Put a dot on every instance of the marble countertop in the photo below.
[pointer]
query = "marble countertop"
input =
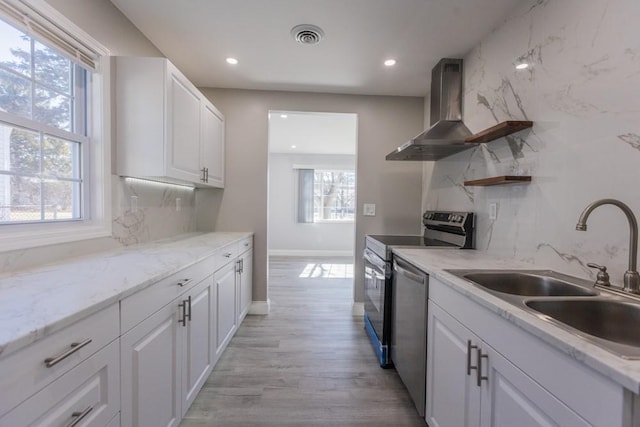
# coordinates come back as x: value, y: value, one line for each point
x: 37, y: 302
x: 436, y: 261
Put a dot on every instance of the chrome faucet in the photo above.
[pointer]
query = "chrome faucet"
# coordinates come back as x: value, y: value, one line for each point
x: 631, y: 276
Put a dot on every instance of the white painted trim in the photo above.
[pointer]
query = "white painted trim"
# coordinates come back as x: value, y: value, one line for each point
x: 308, y: 253
x: 260, y: 307
x: 357, y: 309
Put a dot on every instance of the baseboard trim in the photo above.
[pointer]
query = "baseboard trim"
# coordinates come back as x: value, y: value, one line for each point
x: 308, y: 253
x: 260, y: 307
x: 357, y: 309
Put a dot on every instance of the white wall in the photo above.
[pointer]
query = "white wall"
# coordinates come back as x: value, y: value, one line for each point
x: 582, y: 93
x: 288, y: 237
x: 384, y: 122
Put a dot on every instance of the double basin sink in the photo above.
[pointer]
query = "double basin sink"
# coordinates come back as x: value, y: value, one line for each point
x: 602, y: 318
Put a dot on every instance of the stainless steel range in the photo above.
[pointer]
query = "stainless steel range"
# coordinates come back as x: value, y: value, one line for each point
x: 443, y: 229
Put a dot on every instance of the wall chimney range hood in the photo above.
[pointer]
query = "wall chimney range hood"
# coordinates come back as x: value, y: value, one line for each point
x: 447, y: 133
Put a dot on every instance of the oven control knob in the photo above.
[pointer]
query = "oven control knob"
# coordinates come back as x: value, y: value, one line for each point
x: 450, y: 218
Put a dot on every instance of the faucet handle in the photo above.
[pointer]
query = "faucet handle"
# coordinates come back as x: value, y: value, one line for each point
x: 602, y: 278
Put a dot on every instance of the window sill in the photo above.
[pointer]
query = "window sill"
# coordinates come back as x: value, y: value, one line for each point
x: 333, y: 221
x: 16, y: 237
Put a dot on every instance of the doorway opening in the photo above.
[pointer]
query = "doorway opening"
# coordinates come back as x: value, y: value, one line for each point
x: 311, y: 196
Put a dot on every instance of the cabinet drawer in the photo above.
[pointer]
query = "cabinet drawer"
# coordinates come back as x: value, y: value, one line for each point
x: 25, y: 371
x: 88, y: 394
x: 226, y: 254
x: 139, y: 306
x: 245, y: 244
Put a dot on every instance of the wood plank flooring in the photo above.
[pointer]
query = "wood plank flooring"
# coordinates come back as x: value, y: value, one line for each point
x: 308, y: 363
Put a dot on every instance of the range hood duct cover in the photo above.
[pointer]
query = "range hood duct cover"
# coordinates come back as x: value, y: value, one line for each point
x: 447, y: 133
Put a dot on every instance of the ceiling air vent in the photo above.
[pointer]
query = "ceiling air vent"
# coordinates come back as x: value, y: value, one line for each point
x: 307, y: 34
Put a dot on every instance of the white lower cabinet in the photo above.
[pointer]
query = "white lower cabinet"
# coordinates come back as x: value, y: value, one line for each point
x: 484, y: 371
x: 470, y: 384
x: 226, y: 308
x: 87, y: 395
x: 245, y: 286
x: 166, y: 359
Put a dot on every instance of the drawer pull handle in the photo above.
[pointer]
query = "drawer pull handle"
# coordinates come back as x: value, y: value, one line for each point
x: 79, y: 416
x: 183, y: 306
x: 469, y: 348
x: 184, y: 282
x: 227, y: 255
x: 246, y: 245
x: 479, y: 376
x: 52, y: 361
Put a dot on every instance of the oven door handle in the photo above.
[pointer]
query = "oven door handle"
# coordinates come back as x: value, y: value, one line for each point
x: 374, y: 260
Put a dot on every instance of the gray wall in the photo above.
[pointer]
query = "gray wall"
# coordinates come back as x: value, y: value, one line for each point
x: 383, y: 124
x: 285, y: 234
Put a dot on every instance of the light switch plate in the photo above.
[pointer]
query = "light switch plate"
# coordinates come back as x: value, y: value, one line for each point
x: 493, y: 210
x: 369, y: 209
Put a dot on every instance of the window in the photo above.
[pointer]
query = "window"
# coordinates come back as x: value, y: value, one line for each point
x: 41, y: 177
x: 54, y: 145
x: 326, y: 195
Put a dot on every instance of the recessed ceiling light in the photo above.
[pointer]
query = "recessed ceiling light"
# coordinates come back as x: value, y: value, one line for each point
x: 390, y: 62
x: 232, y: 61
x: 293, y: 146
x: 283, y: 116
x: 522, y: 66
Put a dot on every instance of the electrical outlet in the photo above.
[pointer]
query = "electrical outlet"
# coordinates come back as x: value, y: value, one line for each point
x: 178, y: 204
x: 493, y: 210
x: 134, y: 204
x: 369, y: 209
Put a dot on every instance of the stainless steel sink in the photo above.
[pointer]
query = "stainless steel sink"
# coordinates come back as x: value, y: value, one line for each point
x: 610, y: 320
x: 527, y: 284
x: 605, y: 318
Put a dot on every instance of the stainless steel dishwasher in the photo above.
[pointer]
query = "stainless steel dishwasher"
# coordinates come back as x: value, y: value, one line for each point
x: 409, y: 338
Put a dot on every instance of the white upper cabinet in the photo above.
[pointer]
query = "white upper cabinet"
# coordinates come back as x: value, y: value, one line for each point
x: 166, y: 129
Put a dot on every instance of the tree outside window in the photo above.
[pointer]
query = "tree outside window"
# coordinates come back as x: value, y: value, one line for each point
x: 334, y: 195
x: 41, y: 97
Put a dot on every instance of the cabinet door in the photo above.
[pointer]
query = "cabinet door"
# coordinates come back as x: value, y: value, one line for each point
x: 87, y: 395
x: 150, y: 377
x: 225, y: 283
x: 453, y: 397
x: 246, y: 283
x: 212, y: 145
x: 511, y: 398
x: 183, y: 128
x: 196, y: 343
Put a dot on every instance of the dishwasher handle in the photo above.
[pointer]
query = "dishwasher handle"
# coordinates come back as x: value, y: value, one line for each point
x: 406, y: 271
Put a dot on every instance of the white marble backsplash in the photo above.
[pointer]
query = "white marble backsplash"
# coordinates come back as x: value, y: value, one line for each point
x: 582, y: 93
x: 155, y: 218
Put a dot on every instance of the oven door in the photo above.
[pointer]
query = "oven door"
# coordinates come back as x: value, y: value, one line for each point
x: 377, y: 303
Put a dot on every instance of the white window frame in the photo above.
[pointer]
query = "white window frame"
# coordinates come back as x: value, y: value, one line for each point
x: 96, y: 220
x: 335, y: 221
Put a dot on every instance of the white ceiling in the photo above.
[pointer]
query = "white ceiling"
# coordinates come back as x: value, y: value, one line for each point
x: 312, y: 133
x: 197, y: 36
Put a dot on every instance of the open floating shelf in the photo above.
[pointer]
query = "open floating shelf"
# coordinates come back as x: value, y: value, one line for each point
x: 498, y: 131
x: 499, y: 180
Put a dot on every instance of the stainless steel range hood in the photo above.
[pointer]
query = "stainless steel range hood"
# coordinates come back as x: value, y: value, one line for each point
x: 447, y: 132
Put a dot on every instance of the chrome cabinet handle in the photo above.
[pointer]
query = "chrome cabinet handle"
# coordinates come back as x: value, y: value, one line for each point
x: 52, y: 361
x: 206, y: 176
x: 242, y: 265
x: 79, y: 416
x: 469, y: 348
x: 183, y: 306
x: 227, y: 255
x: 188, y: 315
x: 184, y: 282
x: 203, y: 175
x: 246, y: 245
x: 479, y: 375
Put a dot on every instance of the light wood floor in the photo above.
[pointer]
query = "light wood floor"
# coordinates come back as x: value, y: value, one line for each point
x: 308, y: 363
